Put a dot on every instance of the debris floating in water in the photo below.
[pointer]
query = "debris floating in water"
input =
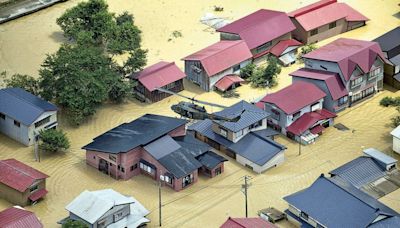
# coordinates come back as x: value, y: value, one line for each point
x: 341, y: 127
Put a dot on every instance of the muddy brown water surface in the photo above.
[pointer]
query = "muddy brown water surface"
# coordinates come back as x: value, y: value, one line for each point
x: 25, y: 42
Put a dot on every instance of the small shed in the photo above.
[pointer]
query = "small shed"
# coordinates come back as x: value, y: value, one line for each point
x: 229, y: 82
x: 396, y: 139
x: 160, y: 75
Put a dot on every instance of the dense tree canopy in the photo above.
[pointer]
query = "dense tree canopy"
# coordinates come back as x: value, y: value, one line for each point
x: 53, y: 140
x: 74, y: 224
x: 265, y: 76
x: 22, y: 81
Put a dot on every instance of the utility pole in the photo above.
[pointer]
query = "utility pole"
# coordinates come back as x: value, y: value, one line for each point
x: 244, y: 188
x: 159, y: 201
x: 300, y: 146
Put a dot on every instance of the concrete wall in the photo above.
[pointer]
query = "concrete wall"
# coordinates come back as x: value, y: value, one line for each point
x: 275, y: 161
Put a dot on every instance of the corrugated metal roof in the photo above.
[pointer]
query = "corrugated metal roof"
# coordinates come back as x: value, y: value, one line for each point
x: 138, y: 132
x: 295, y: 96
x: 360, y: 171
x: 17, y: 175
x: 247, y: 223
x: 335, y: 204
x: 282, y: 45
x: 210, y: 159
x: 15, y: 217
x: 159, y: 75
x: 389, y: 40
x: 325, y: 12
x: 162, y: 147
x: 90, y: 206
x: 180, y: 163
x: 379, y: 156
x: 349, y: 53
x: 260, y: 27
x: 331, y: 79
x: 227, y: 81
x: 23, y: 106
x: 221, y: 55
x: 307, y: 120
x: 249, y: 114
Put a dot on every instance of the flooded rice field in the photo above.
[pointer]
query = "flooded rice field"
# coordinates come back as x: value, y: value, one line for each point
x: 25, y: 42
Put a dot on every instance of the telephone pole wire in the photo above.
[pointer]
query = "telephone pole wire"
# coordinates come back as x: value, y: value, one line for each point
x: 244, y: 188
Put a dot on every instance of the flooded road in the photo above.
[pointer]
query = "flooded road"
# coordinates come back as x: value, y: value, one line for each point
x: 25, y: 42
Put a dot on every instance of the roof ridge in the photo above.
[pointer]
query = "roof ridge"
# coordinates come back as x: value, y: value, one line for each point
x: 157, y: 69
x: 262, y: 21
x: 233, y: 42
x: 21, y: 171
x: 20, y: 98
x: 318, y: 5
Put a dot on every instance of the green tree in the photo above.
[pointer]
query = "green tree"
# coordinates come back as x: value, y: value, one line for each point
x: 53, y: 140
x: 247, y: 71
x: 306, y: 49
x: 22, y: 81
x: 74, y: 224
x: 265, y: 76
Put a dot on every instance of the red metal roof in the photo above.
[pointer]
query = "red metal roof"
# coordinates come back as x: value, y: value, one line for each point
x: 17, y: 175
x: 307, y: 120
x: 227, y: 81
x: 260, y: 104
x: 282, y: 45
x: 247, y: 223
x: 349, y: 53
x: 295, y: 96
x: 159, y: 75
x: 17, y: 218
x: 260, y: 27
x: 317, y: 129
x: 325, y: 12
x: 38, y: 194
x: 221, y: 55
x: 332, y: 80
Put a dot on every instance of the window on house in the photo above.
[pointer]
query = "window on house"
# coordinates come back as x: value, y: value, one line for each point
x: 16, y: 123
x: 296, y: 115
x: 146, y: 168
x: 332, y: 25
x: 2, y: 116
x: 343, y: 100
x: 263, y: 47
x: 236, y: 67
x: 134, y: 167
x: 41, y: 122
x: 356, y: 82
x: 314, y: 32
x: 118, y: 216
x: 112, y: 157
x: 170, y: 85
x: 33, y: 188
x: 375, y: 72
x: 314, y: 107
x: 187, y: 180
x: 304, y: 215
x: 239, y: 133
x: 101, y: 223
x: 255, y: 125
x: 275, y: 114
x: 224, y: 132
x: 323, y: 67
x: 168, y: 179
x: 122, y: 169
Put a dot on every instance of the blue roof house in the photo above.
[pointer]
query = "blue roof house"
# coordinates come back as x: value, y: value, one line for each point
x: 331, y: 203
x: 23, y: 115
x: 247, y: 140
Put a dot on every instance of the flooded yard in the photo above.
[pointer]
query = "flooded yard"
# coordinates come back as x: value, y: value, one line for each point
x: 25, y: 42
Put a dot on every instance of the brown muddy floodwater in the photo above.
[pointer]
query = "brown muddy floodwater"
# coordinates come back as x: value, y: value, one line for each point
x: 25, y: 42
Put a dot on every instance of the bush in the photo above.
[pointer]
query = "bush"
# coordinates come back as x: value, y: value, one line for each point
x: 74, y: 224
x: 247, y: 71
x: 265, y: 76
x: 53, y: 140
x: 22, y: 81
x: 395, y: 121
x: 386, y: 102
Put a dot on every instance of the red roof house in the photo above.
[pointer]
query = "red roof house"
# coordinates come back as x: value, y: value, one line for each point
x: 160, y: 75
x: 228, y: 81
x: 21, y: 184
x: 324, y: 19
x: 15, y: 217
x: 261, y: 31
x: 210, y: 64
x: 247, y: 223
x: 297, y: 111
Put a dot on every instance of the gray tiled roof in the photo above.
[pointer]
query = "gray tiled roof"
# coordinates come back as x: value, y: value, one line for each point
x: 180, y: 163
x: 252, y: 114
x: 136, y: 133
x: 335, y: 204
x: 162, y: 147
x: 23, y: 106
x: 210, y: 159
x: 253, y: 147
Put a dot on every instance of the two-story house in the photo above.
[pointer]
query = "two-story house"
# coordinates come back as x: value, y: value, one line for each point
x: 332, y: 203
x: 106, y: 208
x: 211, y: 64
x: 265, y: 32
x: 347, y: 70
x: 21, y: 184
x: 324, y: 19
x: 23, y: 115
x: 297, y: 111
x: 390, y: 45
x: 247, y: 140
x: 156, y: 146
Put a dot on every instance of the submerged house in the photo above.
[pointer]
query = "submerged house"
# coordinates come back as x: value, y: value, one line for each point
x: 331, y: 203
x: 107, y: 208
x: 390, y: 45
x: 156, y: 146
x: 324, y: 19
x: 163, y: 75
x: 247, y: 140
x: 21, y: 184
x: 347, y: 70
x: 374, y: 173
x: 265, y: 32
x: 23, y: 115
x: 17, y: 217
x: 211, y: 64
x: 297, y: 111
